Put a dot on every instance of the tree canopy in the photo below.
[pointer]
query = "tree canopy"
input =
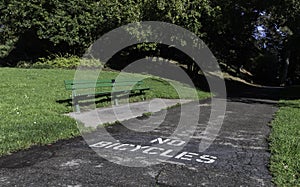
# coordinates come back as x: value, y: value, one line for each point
x: 282, y: 21
x: 260, y: 36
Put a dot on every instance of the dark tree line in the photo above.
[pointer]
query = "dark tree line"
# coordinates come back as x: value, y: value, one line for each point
x: 37, y: 28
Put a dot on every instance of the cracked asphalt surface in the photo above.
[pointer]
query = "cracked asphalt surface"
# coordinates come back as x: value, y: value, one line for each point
x: 239, y: 156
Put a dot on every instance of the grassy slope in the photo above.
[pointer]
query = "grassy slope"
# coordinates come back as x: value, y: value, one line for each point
x: 30, y: 114
x: 285, y: 144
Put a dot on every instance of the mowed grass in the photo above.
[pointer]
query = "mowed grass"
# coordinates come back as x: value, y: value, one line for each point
x: 285, y: 144
x: 31, y: 115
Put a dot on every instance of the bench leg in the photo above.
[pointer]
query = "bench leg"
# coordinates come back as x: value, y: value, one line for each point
x: 77, y: 107
x: 116, y: 101
x: 75, y: 101
x: 143, y: 95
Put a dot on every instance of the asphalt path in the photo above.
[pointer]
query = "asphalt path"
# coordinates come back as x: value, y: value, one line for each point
x: 239, y: 156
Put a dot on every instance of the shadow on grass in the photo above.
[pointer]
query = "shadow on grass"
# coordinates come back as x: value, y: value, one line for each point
x: 98, y: 100
x: 249, y: 93
x: 289, y: 104
x: 236, y: 91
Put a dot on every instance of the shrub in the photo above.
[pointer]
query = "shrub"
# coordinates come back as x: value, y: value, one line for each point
x: 61, y: 26
x: 65, y: 27
x: 70, y: 62
x: 265, y: 68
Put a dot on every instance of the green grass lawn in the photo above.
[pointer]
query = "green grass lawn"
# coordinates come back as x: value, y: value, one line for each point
x: 30, y: 114
x: 285, y: 144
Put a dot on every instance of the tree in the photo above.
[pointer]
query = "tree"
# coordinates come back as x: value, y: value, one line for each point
x: 282, y: 20
x: 188, y: 14
x: 57, y: 26
x: 35, y: 28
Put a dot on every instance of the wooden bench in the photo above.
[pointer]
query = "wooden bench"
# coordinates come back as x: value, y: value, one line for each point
x: 110, y: 88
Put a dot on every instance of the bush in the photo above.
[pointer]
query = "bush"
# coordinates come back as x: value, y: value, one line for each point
x: 70, y: 62
x: 61, y: 26
x: 64, y: 27
x: 265, y: 69
x: 24, y: 64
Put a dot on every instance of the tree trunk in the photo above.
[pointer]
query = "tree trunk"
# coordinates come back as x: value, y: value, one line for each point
x: 285, y: 69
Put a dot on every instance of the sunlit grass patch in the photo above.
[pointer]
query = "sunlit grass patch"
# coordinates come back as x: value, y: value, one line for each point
x: 285, y: 144
x: 31, y: 115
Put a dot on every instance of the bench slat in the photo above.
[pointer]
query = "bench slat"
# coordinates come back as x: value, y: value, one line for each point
x: 108, y: 93
x: 99, y: 81
x: 85, y: 84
